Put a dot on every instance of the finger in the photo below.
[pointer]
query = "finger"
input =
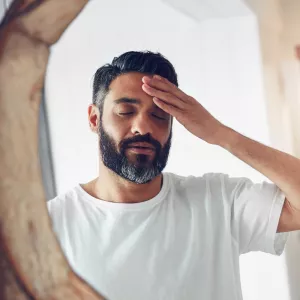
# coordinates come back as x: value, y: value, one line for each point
x: 165, y: 96
x: 168, y: 108
x: 165, y: 85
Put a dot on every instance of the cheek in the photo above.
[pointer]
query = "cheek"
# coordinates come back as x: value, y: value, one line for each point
x: 167, y: 129
x: 163, y: 136
x: 169, y: 133
x: 114, y: 128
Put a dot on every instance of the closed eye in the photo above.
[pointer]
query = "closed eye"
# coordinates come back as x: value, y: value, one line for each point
x: 160, y: 118
x: 131, y: 113
x: 125, y: 114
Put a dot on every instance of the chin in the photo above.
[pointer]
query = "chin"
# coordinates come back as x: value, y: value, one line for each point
x: 141, y: 159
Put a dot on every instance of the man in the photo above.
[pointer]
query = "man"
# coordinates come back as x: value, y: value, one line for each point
x: 137, y: 233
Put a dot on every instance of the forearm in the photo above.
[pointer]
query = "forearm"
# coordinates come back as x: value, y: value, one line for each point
x: 281, y: 168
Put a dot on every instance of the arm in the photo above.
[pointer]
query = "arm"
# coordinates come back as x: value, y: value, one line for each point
x: 281, y: 168
x: 31, y: 261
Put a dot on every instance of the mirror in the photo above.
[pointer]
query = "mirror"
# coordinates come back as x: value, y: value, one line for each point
x: 131, y: 232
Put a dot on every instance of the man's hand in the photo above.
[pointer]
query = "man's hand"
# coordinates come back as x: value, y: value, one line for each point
x: 187, y: 111
x: 281, y: 168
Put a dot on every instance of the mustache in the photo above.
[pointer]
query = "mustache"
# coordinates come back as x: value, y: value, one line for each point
x: 147, y: 138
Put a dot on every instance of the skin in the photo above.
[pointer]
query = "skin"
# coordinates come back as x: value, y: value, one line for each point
x: 281, y: 168
x: 108, y: 186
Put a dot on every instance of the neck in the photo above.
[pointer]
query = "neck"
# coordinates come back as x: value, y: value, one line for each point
x: 110, y: 187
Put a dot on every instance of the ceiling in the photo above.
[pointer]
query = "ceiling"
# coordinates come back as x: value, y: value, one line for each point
x: 197, y: 9
x: 210, y: 9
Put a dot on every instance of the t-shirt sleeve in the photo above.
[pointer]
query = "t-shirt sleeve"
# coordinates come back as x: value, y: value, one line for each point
x: 255, y: 214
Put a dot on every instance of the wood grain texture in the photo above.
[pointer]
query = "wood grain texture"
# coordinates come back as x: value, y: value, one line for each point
x: 31, y: 261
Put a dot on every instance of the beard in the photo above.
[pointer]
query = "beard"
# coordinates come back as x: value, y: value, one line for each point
x: 137, y: 168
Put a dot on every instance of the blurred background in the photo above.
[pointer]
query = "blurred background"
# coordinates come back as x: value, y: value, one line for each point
x: 239, y: 59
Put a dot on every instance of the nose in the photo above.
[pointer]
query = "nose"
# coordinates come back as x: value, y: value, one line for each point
x: 142, y: 125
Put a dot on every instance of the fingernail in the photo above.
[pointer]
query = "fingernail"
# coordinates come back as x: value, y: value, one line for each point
x: 158, y: 77
x: 146, y: 86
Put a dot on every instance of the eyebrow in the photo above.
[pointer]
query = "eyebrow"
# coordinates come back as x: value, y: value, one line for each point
x: 127, y: 100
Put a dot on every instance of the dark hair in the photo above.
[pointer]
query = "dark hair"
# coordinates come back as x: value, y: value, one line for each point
x: 143, y: 62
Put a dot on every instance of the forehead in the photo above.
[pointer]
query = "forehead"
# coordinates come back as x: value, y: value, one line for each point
x: 128, y: 85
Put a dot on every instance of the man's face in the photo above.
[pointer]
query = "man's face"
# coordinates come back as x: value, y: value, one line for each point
x: 135, y: 135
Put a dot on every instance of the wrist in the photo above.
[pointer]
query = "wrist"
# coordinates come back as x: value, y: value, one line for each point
x: 227, y: 138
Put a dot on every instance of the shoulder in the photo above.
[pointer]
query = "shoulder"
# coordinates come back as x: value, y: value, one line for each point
x: 211, y: 185
x: 193, y: 185
x: 63, y: 209
x: 63, y: 202
x: 205, y: 180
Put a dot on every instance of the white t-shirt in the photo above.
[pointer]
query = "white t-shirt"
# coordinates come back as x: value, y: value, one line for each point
x: 184, y: 244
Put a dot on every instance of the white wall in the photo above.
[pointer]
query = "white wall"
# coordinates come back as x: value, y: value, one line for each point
x: 202, y: 10
x: 2, y: 9
x: 100, y: 33
x: 4, y: 4
x: 215, y: 61
x: 218, y: 63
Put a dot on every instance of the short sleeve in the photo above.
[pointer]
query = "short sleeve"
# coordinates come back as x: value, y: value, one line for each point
x: 255, y: 214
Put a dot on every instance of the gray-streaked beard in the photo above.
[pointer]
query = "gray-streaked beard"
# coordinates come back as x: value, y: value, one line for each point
x: 141, y: 172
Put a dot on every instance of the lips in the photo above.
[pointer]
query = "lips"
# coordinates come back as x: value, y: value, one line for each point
x: 141, y: 146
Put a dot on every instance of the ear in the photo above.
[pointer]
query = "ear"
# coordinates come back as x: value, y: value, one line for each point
x: 94, y: 117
